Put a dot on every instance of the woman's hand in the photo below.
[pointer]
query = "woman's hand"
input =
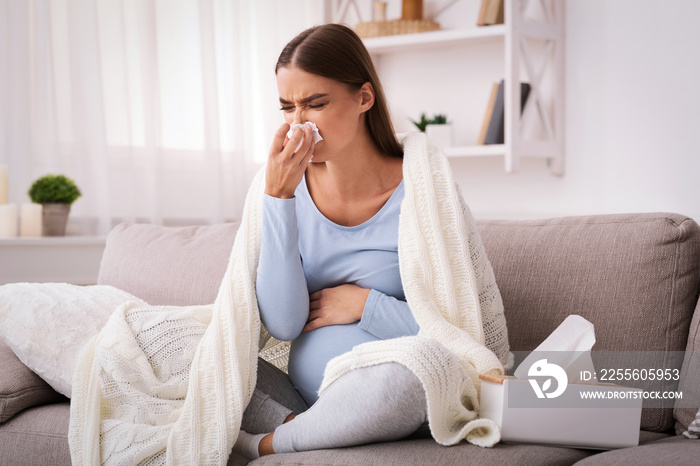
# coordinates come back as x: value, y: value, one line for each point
x: 343, y: 304
x: 285, y: 164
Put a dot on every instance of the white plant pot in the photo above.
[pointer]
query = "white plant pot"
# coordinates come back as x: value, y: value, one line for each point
x: 440, y: 134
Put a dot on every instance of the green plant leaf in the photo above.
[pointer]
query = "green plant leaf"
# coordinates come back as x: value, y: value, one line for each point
x: 54, y: 189
x: 439, y: 119
x: 421, y: 124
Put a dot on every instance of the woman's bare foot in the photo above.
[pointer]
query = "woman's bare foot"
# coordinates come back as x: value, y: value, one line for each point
x: 265, y: 445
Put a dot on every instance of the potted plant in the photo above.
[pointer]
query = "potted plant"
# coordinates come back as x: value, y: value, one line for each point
x: 422, y: 123
x: 56, y: 193
x: 436, y: 128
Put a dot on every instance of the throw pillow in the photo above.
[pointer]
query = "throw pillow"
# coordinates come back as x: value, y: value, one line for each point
x: 179, y: 266
x: 20, y: 388
x: 47, y: 324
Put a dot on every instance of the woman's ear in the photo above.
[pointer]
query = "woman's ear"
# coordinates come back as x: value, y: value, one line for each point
x: 367, y: 93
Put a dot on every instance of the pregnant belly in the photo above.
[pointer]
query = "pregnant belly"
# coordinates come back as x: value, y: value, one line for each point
x: 311, y: 351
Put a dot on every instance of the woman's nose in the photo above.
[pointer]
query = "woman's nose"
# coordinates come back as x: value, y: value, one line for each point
x: 298, y: 117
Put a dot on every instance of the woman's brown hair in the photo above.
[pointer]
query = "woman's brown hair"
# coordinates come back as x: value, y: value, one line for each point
x: 334, y: 51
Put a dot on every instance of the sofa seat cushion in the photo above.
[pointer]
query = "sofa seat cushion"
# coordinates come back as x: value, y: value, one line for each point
x: 647, y: 436
x: 178, y: 266
x: 669, y: 450
x: 426, y: 451
x: 20, y: 388
x: 634, y: 276
x: 37, y: 435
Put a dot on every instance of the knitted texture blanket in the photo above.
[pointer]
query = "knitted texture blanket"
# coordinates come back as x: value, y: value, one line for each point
x: 168, y: 385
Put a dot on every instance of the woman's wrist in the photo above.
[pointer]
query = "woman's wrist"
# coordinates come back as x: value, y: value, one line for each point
x: 279, y: 193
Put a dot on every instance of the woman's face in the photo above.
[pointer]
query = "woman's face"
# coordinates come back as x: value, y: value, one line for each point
x: 334, y: 107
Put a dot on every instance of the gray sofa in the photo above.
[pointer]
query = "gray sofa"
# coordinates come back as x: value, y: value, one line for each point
x: 636, y: 277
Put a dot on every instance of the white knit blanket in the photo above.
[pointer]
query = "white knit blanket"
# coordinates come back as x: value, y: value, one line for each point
x: 167, y: 385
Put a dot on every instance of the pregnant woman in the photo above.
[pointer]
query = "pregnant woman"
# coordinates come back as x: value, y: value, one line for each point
x: 331, y: 276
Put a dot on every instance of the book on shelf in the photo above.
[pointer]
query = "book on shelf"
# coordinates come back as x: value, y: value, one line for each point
x: 493, y: 127
x: 489, y: 112
x: 491, y: 12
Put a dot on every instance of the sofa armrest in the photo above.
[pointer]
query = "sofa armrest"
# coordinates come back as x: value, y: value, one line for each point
x: 178, y: 266
x: 688, y: 407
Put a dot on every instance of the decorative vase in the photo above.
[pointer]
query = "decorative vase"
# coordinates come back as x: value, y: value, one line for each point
x: 54, y: 219
x: 440, y: 134
x: 379, y: 12
x: 412, y: 10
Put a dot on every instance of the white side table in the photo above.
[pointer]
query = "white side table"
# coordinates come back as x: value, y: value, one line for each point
x: 67, y: 259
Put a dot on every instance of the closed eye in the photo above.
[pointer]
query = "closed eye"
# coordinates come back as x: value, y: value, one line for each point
x: 290, y: 108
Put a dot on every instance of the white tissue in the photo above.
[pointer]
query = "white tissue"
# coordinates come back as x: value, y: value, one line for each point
x: 570, y: 344
x: 314, y: 129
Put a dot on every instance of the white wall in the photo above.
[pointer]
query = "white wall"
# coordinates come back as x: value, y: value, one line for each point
x: 632, y: 115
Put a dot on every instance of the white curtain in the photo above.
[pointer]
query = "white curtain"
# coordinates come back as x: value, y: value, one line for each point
x: 160, y: 110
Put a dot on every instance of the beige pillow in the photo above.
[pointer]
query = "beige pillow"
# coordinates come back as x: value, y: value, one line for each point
x: 178, y: 266
x: 20, y: 388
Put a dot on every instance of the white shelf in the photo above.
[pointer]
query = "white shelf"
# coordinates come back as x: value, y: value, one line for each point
x: 54, y: 241
x: 533, y: 44
x: 490, y: 150
x: 67, y: 259
x: 432, y: 39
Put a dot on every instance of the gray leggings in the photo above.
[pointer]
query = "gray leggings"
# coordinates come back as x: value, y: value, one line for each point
x: 372, y: 404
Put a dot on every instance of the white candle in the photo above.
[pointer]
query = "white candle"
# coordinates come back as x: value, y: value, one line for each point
x: 4, y: 183
x: 30, y: 220
x: 379, y: 11
x: 8, y: 221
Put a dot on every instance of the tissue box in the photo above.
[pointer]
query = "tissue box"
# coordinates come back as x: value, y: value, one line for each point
x: 573, y: 418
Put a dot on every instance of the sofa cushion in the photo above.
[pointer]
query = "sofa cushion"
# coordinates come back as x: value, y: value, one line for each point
x: 37, y: 435
x: 687, y: 408
x: 178, y: 266
x: 634, y: 276
x: 427, y: 451
x: 20, y: 388
x: 669, y: 450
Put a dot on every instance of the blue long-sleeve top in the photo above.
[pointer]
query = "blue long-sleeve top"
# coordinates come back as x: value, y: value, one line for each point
x: 303, y: 252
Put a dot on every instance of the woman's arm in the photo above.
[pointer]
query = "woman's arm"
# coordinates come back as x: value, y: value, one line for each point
x: 283, y: 297
x: 381, y: 315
